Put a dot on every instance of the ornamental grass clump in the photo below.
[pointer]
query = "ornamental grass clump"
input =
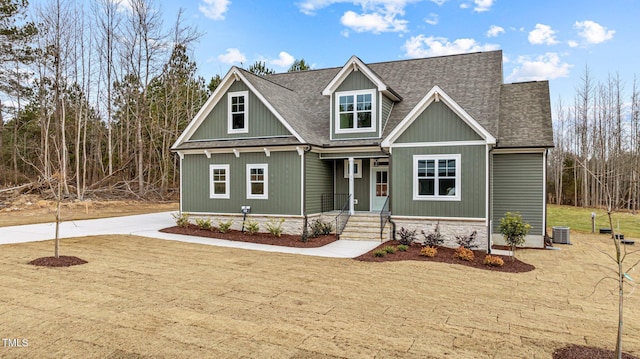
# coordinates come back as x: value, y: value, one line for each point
x: 463, y: 253
x: 403, y: 247
x: 379, y: 253
x: 429, y: 252
x: 389, y: 249
x: 493, y: 261
x: 514, y: 230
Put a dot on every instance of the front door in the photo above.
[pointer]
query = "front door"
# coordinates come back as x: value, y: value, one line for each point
x: 379, y: 187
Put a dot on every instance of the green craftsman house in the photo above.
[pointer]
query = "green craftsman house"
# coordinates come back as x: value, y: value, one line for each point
x: 417, y: 142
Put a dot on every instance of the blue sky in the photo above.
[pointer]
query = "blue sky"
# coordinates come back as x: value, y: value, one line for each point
x: 540, y: 40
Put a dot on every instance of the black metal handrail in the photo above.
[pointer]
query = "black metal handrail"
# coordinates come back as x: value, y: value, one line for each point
x: 330, y: 201
x: 343, y: 217
x: 385, y: 215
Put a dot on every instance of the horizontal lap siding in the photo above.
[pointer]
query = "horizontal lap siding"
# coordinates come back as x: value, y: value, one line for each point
x: 518, y: 186
x: 284, y: 183
x: 318, y: 180
x: 473, y: 198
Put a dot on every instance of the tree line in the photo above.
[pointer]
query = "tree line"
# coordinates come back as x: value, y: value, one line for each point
x: 93, y: 95
x: 596, y: 159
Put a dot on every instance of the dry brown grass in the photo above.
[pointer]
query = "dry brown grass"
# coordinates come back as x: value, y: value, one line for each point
x: 31, y: 209
x: 141, y: 297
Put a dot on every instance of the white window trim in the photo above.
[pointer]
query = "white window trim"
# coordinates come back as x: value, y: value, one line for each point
x: 230, y: 128
x: 374, y: 113
x: 213, y: 195
x: 437, y: 197
x: 265, y: 167
x: 358, y: 166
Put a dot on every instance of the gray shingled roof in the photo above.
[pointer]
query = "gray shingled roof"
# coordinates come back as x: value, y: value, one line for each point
x: 525, y: 115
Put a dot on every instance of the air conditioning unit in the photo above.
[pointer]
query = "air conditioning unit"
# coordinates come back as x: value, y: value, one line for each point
x: 561, y: 235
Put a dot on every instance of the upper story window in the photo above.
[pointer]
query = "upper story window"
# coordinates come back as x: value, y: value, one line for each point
x: 355, y: 111
x: 238, y: 111
x: 436, y: 177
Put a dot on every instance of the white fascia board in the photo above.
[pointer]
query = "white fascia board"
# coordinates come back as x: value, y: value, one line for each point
x: 270, y: 107
x: 208, y: 106
x: 239, y: 150
x: 498, y: 150
x: 437, y: 94
x: 355, y: 63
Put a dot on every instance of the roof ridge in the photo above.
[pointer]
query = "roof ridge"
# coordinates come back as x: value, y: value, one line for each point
x: 266, y: 79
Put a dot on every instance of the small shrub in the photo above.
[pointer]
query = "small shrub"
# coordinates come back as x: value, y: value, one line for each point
x: 320, y: 228
x: 251, y: 226
x: 514, y: 230
x: 468, y: 241
x: 403, y: 247
x: 463, y: 253
x: 493, y: 261
x: 434, y: 238
x: 389, y: 249
x: 379, y: 253
x: 429, y: 252
x: 407, y: 236
x: 223, y: 227
x: 182, y: 220
x: 275, y: 227
x: 203, y: 223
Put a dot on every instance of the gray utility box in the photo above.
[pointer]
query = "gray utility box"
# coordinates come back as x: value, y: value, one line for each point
x: 561, y: 235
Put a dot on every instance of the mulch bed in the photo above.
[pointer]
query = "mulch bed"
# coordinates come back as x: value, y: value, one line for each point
x: 286, y: 240
x: 445, y: 255
x: 61, y: 261
x: 583, y: 352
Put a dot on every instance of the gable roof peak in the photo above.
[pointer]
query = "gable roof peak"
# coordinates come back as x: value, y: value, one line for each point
x: 355, y: 64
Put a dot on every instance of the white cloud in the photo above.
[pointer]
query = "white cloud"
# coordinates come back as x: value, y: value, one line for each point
x: 214, y: 9
x: 439, y: 2
x: 482, y: 5
x: 464, y: 6
x: 572, y: 43
x: 542, y: 34
x: 373, y: 22
x: 544, y: 67
x: 432, y: 20
x: 494, y: 31
x: 284, y: 60
x: 593, y: 32
x: 232, y: 56
x: 422, y: 46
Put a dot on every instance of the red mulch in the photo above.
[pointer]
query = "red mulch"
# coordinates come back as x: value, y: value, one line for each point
x: 286, y: 240
x: 445, y: 255
x: 61, y: 261
x: 583, y: 352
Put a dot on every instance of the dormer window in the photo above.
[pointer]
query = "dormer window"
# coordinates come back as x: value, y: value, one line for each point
x: 238, y: 112
x: 355, y: 111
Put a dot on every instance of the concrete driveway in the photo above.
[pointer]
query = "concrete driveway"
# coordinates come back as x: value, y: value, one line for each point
x: 148, y: 225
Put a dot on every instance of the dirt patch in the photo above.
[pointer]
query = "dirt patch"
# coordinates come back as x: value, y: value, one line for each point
x: 61, y: 261
x: 286, y: 240
x: 445, y: 255
x: 582, y: 352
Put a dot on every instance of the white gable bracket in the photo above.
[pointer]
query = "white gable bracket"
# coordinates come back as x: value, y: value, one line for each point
x: 236, y: 153
x: 267, y: 152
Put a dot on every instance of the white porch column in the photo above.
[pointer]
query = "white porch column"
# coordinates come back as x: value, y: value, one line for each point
x: 351, y: 194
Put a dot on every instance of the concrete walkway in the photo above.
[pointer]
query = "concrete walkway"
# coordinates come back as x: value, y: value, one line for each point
x: 148, y: 225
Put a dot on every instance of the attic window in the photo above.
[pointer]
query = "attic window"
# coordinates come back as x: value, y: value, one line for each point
x: 355, y: 111
x: 238, y: 112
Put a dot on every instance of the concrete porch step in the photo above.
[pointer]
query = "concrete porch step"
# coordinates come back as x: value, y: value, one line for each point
x: 365, y: 227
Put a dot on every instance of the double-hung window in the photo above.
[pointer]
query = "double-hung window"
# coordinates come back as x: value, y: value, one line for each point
x: 436, y: 177
x: 356, y: 111
x: 258, y: 181
x: 219, y: 181
x: 237, y: 104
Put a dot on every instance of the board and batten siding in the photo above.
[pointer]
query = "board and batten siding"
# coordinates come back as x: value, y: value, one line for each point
x: 518, y: 186
x: 284, y: 192
x: 387, y: 106
x: 472, y: 202
x: 261, y: 121
x: 438, y: 123
x: 361, y: 186
x: 355, y: 81
x: 318, y: 180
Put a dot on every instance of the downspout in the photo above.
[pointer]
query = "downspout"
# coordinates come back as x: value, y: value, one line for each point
x: 393, y: 224
x: 304, y: 187
x: 489, y: 194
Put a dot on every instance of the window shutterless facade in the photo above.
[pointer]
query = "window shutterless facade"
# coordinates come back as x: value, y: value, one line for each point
x: 238, y: 112
x: 219, y: 181
x: 257, y: 181
x: 355, y: 111
x: 436, y: 177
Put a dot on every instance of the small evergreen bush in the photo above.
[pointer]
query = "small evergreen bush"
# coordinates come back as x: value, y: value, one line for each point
x: 223, y: 227
x: 493, y: 261
x: 182, y: 220
x: 251, y: 226
x: 514, y: 230
x: 320, y: 228
x: 275, y: 227
x: 203, y: 223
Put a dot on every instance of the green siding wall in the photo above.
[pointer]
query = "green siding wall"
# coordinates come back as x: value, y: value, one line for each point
x: 361, y: 186
x: 473, y: 172
x: 518, y: 186
x: 438, y: 123
x: 262, y: 123
x: 356, y: 81
x: 387, y: 106
x: 318, y: 180
x: 284, y: 183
